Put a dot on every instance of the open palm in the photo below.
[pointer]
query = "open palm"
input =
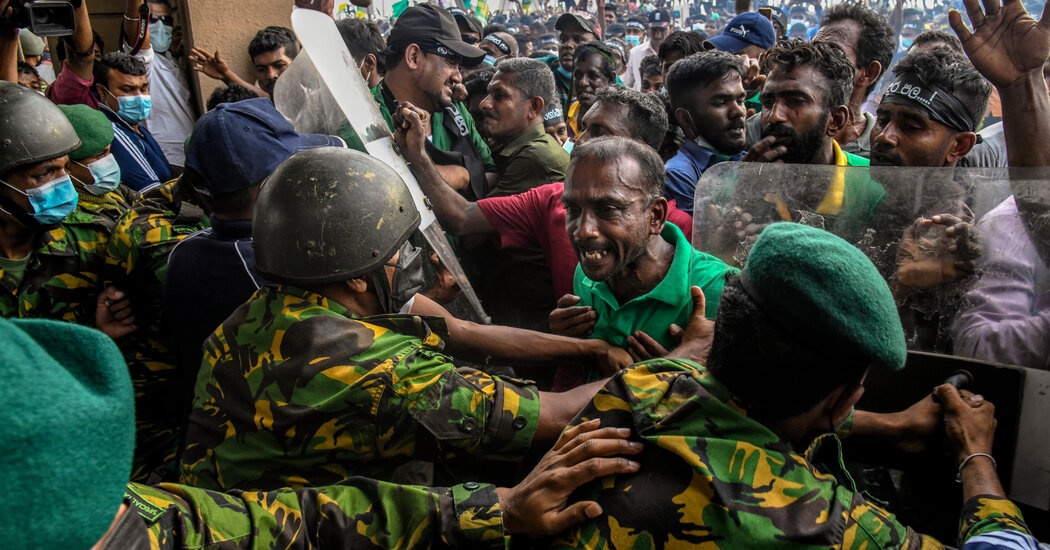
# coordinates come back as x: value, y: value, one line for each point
x: 1007, y: 43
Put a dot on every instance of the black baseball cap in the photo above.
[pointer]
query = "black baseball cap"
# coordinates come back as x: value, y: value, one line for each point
x: 659, y: 18
x: 464, y: 18
x: 435, y: 30
x: 585, y: 20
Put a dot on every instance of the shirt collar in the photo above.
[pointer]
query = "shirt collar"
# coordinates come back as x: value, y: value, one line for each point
x: 528, y: 136
x: 673, y: 289
x: 235, y: 230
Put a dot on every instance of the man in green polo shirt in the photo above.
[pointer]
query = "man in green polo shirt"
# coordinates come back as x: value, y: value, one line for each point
x: 635, y: 270
x: 423, y: 55
x: 526, y: 156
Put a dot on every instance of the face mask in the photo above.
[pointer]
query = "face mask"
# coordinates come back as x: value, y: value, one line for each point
x: 133, y: 108
x: 799, y: 22
x: 568, y: 146
x: 632, y: 40
x: 906, y: 43
x: 489, y: 60
x: 160, y: 36
x: 106, y: 172
x: 51, y: 202
x: 407, y: 281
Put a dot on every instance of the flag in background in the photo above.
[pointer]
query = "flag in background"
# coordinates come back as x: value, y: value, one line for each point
x: 399, y: 7
x: 483, y: 11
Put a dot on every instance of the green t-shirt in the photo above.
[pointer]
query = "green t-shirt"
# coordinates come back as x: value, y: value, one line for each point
x: 14, y: 270
x: 668, y: 302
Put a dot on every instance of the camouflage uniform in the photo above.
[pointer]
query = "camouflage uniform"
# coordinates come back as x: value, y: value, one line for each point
x: 111, y: 206
x: 295, y: 390
x: 136, y: 259
x: 360, y: 513
x: 713, y: 476
x: 64, y: 276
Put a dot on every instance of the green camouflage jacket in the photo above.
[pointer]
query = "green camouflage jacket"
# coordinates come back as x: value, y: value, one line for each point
x: 295, y: 390
x: 136, y: 259
x: 64, y: 275
x: 360, y: 513
x: 713, y: 476
x: 112, y: 205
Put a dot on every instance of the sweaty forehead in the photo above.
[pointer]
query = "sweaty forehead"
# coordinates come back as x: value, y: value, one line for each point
x: 593, y: 180
x: 844, y: 34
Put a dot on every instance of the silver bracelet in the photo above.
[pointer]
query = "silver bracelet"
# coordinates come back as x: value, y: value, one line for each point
x: 958, y: 476
x: 130, y: 19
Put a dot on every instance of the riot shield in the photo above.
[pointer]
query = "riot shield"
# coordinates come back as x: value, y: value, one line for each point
x: 973, y: 291
x: 322, y: 92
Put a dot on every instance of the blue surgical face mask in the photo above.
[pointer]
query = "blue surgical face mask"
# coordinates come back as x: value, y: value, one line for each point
x: 489, y: 60
x: 133, y: 108
x: 160, y: 36
x: 569, y: 144
x: 906, y: 43
x: 632, y: 41
x: 51, y: 202
x: 106, y: 173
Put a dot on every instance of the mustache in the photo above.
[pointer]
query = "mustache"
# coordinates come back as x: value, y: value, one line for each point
x: 779, y: 129
x: 590, y: 246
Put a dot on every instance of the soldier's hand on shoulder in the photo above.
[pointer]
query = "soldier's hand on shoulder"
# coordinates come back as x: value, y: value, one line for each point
x: 538, y: 506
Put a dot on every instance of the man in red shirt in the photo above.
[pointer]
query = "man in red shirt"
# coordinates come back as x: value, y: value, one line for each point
x: 536, y: 218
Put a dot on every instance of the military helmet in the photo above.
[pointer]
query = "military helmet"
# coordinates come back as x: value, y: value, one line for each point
x: 328, y: 215
x: 32, y: 129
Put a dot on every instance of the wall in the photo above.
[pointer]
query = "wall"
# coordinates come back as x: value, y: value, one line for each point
x: 228, y: 26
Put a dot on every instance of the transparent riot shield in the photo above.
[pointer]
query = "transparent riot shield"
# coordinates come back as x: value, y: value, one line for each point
x: 962, y: 250
x: 304, y: 95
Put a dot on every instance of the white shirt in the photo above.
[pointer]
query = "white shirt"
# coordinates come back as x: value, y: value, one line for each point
x: 633, y: 79
x: 171, y: 116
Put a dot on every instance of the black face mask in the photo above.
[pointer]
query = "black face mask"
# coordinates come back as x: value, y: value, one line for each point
x: 407, y: 281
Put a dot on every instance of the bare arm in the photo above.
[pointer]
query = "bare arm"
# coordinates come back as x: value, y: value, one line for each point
x: 1009, y: 48
x: 214, y: 66
x: 558, y: 409
x: 456, y: 214
x: 81, y: 42
x: 520, y: 346
x: 131, y: 28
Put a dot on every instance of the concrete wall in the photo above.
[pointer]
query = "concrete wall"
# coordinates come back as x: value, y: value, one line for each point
x: 228, y: 26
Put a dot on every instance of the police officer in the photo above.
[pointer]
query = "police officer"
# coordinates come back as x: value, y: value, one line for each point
x: 51, y: 254
x: 318, y: 378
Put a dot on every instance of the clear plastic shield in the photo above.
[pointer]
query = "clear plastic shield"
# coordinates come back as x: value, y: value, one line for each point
x: 304, y: 95
x: 964, y: 253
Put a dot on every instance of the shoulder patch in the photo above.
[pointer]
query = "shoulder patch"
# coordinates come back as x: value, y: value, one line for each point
x: 149, y: 511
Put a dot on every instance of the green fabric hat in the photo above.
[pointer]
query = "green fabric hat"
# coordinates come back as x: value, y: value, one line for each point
x: 67, y: 432
x: 92, y: 127
x: 827, y: 290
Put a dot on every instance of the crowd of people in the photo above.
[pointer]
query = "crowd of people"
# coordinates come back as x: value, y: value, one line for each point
x: 697, y: 229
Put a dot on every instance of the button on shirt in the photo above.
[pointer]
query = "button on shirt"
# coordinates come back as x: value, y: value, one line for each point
x: 534, y: 158
x: 685, y: 169
x: 142, y: 163
x: 668, y: 302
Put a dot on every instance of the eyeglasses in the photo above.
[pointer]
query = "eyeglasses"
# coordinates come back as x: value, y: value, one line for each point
x: 166, y: 19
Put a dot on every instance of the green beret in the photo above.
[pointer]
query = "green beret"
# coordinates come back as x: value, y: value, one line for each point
x: 813, y: 280
x: 92, y: 127
x: 67, y: 432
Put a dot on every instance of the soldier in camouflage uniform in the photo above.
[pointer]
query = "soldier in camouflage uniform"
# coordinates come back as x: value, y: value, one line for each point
x: 740, y: 455
x: 94, y: 169
x: 309, y: 383
x: 51, y: 255
x: 136, y: 259
x: 66, y: 481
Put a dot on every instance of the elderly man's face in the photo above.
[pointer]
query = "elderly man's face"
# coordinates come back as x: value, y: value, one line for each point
x: 604, y: 119
x: 608, y: 216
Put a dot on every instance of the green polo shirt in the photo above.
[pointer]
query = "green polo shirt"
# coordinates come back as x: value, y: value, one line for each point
x: 533, y: 159
x: 668, y: 302
x: 439, y: 135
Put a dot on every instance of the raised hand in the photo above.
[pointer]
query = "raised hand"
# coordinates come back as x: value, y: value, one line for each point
x: 572, y: 320
x: 1007, y: 43
x: 211, y: 65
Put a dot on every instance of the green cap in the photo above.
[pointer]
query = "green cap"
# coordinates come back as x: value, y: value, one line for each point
x: 92, y: 127
x: 828, y: 290
x: 67, y: 432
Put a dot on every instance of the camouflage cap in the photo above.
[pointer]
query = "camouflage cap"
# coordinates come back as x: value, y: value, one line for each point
x: 68, y: 431
x: 808, y: 278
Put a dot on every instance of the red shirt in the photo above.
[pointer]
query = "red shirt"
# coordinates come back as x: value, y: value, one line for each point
x: 70, y: 89
x: 536, y: 219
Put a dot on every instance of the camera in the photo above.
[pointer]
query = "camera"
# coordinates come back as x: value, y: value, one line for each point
x: 43, y: 17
